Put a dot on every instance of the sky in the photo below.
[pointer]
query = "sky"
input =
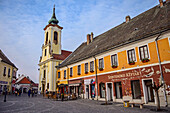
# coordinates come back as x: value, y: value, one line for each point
x: 22, y: 23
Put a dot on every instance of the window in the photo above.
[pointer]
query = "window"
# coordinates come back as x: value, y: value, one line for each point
x: 55, y: 37
x: 64, y: 74
x: 114, y: 60
x: 86, y: 67
x: 143, y: 50
x: 45, y: 52
x: 71, y: 72
x: 131, y: 55
x: 136, y: 91
x: 92, y: 66
x: 46, y: 38
x: 4, y: 71
x: 102, y: 90
x: 79, y: 69
x: 118, y: 90
x: 58, y: 74
x: 101, y: 66
x: 9, y: 72
x: 44, y: 73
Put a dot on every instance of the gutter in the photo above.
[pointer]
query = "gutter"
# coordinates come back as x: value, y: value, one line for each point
x: 160, y: 67
x: 96, y: 76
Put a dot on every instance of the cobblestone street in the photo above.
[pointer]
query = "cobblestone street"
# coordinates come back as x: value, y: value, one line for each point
x: 39, y: 104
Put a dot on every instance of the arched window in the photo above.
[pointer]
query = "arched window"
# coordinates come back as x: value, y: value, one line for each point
x: 46, y: 38
x: 55, y: 37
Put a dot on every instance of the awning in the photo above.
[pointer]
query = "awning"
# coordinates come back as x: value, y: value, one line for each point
x: 77, y: 84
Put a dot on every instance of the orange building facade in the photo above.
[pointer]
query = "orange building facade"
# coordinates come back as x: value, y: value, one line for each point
x: 123, y: 63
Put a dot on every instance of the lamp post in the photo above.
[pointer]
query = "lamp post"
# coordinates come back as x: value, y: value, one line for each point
x: 5, y: 94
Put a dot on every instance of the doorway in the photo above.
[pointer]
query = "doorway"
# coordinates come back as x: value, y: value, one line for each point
x: 148, y: 91
x: 109, y: 91
x: 43, y: 88
x: 87, y: 91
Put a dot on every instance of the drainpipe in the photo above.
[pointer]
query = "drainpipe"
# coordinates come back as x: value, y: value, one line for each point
x: 96, y: 76
x: 68, y: 82
x: 160, y: 67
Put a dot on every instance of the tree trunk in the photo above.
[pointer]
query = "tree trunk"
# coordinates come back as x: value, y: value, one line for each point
x: 157, y: 99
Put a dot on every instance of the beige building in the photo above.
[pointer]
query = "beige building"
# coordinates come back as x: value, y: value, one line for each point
x: 7, y: 71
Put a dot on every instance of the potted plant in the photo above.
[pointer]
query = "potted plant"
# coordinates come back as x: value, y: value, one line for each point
x: 78, y: 73
x: 86, y: 72
x: 131, y: 62
x: 71, y: 75
x: 145, y: 60
x: 91, y: 71
x: 100, y: 68
x: 114, y: 66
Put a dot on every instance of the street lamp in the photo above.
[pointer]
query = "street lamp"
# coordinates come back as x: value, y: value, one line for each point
x: 5, y: 94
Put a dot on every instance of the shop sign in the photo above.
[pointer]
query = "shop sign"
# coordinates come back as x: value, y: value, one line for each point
x: 88, y: 81
x: 125, y: 75
x: 3, y: 82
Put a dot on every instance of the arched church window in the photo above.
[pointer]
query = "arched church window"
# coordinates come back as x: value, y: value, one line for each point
x: 46, y: 38
x: 55, y: 37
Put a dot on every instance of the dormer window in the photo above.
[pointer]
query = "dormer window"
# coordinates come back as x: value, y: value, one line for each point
x: 45, y: 52
x: 55, y: 37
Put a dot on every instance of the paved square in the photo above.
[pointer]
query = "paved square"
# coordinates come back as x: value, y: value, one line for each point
x: 38, y: 104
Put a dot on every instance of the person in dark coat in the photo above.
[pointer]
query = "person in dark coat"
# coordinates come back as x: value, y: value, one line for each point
x: 29, y: 92
x: 32, y: 92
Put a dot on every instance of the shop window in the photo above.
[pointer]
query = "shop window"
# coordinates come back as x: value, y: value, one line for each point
x: 44, y: 73
x: 58, y: 74
x: 55, y: 37
x: 47, y: 85
x: 114, y: 60
x: 64, y: 74
x: 46, y: 38
x: 118, y: 90
x: 136, y: 91
x: 86, y: 67
x: 79, y: 69
x: 143, y: 50
x: 71, y: 72
x: 102, y: 90
x: 131, y: 55
x: 9, y: 72
x: 45, y: 52
x: 101, y: 64
x: 4, y: 71
x: 92, y: 66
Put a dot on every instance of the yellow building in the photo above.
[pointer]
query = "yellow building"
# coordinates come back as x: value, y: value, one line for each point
x: 7, y: 72
x: 52, y: 55
x: 124, y: 62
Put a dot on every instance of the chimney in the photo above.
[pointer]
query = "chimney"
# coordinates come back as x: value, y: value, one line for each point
x: 161, y: 3
x: 88, y: 39
x: 127, y: 19
x: 91, y: 36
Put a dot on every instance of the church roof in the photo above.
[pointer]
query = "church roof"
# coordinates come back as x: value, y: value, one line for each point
x: 5, y: 59
x: 151, y: 22
x: 64, y: 54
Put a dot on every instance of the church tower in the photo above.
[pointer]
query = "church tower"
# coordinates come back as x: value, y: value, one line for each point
x: 52, y: 55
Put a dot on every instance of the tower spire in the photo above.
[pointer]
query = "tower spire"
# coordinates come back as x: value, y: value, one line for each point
x: 53, y: 19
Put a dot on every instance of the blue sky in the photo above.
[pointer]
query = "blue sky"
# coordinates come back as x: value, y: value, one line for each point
x: 22, y: 23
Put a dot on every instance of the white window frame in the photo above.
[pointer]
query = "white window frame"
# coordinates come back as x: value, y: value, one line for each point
x: 59, y: 74
x: 92, y: 66
x: 116, y: 59
x: 128, y: 56
x: 139, y: 51
x: 103, y: 63
x: 71, y: 71
x: 78, y: 69
x: 65, y: 74
x: 85, y: 67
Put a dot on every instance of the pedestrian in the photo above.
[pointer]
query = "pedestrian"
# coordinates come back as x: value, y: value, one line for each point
x: 29, y: 92
x: 20, y: 92
x: 32, y: 92
x: 62, y: 97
